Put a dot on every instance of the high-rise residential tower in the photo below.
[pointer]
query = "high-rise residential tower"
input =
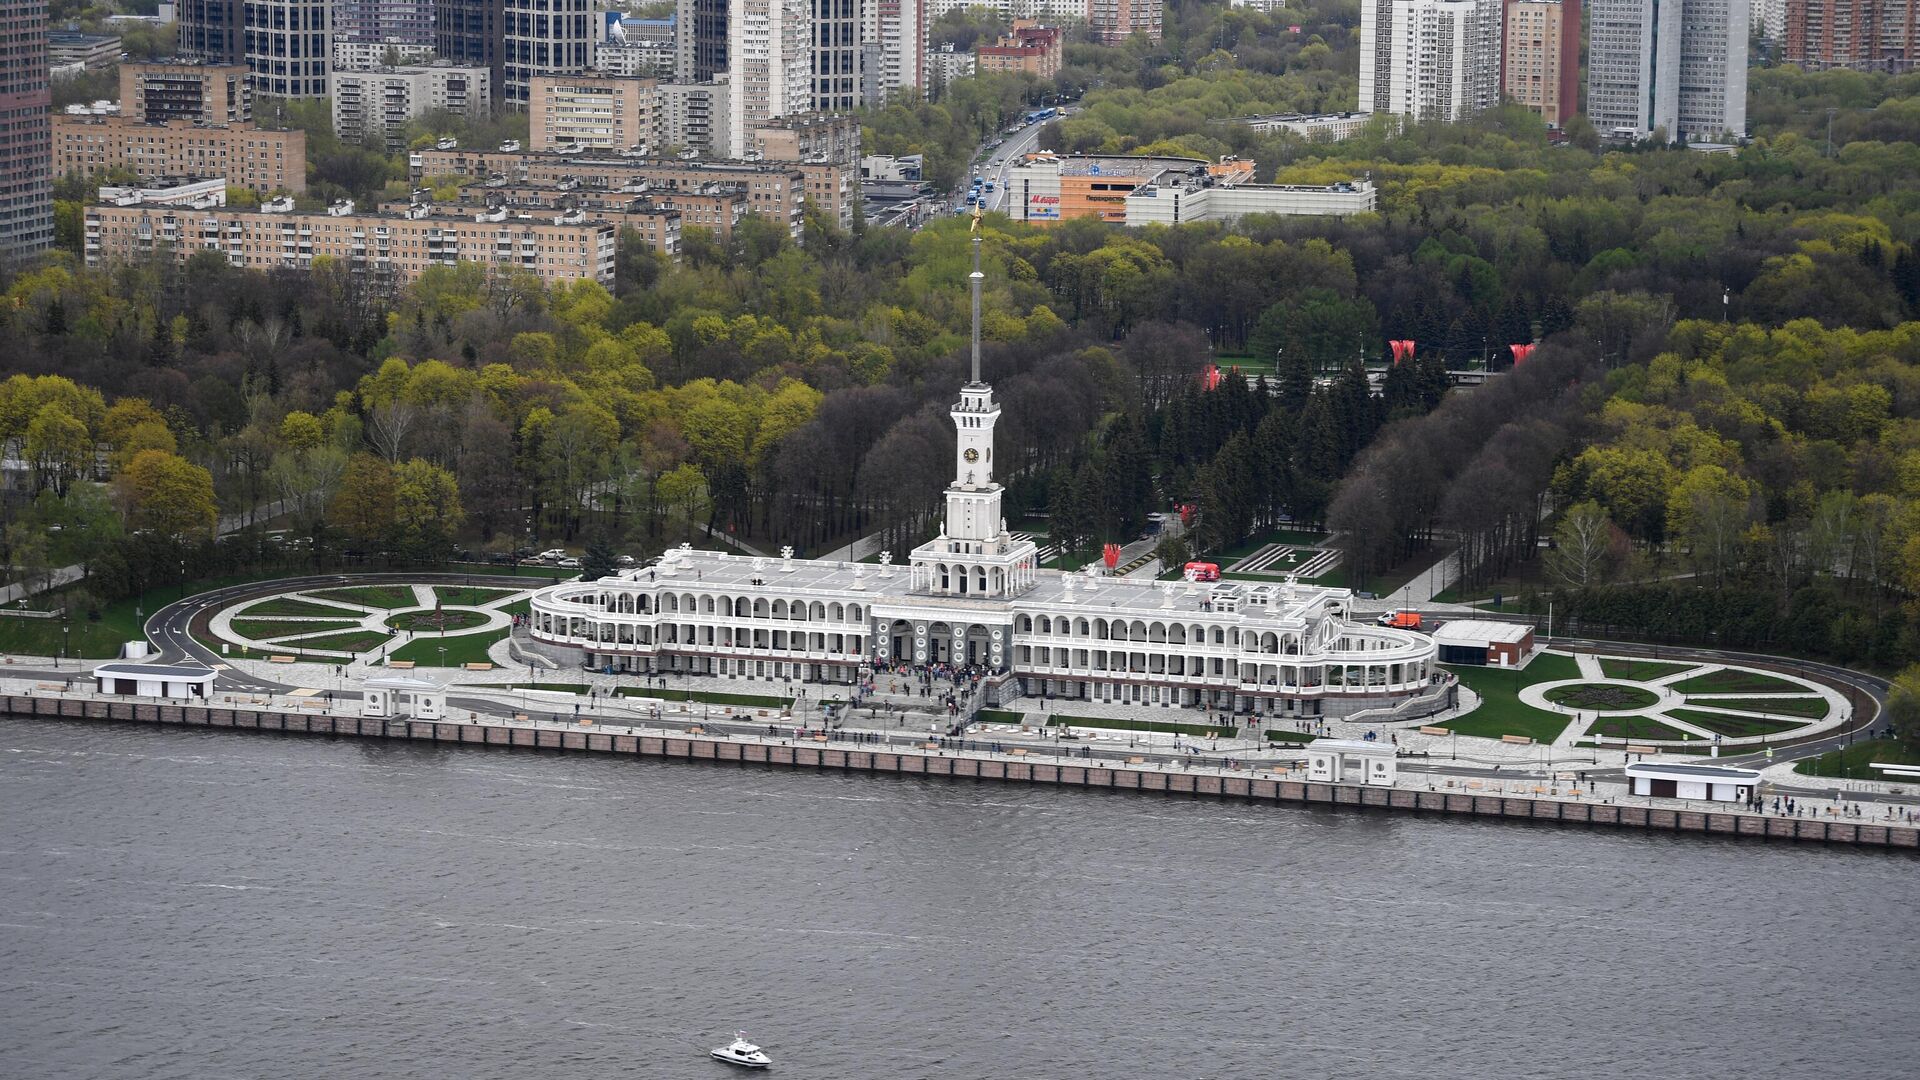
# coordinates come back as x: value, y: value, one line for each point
x: 546, y: 37
x: 1431, y: 59
x: 700, y: 39
x: 1848, y: 34
x: 287, y: 46
x: 472, y: 33
x: 398, y: 22
x: 837, y: 56
x: 1541, y: 69
x: 1673, y: 66
x: 209, y: 30
x: 770, y: 56
x: 26, y: 130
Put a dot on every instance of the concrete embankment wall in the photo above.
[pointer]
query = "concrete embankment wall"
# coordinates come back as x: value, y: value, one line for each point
x: 960, y: 765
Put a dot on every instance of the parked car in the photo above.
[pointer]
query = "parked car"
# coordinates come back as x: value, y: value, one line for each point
x: 552, y: 554
x: 568, y: 562
x: 625, y: 561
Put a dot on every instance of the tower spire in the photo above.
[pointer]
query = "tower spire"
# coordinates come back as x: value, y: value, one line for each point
x: 976, y: 277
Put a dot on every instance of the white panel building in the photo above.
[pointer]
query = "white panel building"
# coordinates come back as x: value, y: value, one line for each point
x: 1431, y: 59
x: 770, y: 58
x: 381, y: 102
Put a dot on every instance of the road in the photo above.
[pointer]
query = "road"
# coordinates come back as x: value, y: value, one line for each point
x: 1007, y: 155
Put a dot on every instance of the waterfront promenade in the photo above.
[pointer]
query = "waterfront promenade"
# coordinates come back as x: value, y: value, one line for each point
x: 1268, y: 780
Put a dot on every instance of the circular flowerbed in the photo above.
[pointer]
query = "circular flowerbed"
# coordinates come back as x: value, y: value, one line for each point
x: 435, y: 622
x: 1602, y: 697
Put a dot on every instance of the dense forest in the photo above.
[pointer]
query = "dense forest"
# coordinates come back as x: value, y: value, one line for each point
x: 1721, y: 404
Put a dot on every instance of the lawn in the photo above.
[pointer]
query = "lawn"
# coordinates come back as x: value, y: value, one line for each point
x: 518, y: 607
x: 375, y: 596
x: 1857, y: 761
x: 263, y: 629
x: 752, y: 701
x: 460, y: 649
x: 434, y: 622
x: 1602, y: 697
x: 288, y: 605
x: 1000, y: 716
x: 358, y: 641
x: 1812, y: 708
x: 100, y: 639
x: 1227, y: 731
x: 555, y: 687
x: 1635, y: 727
x: 1501, y: 711
x: 1733, y: 727
x: 1615, y: 667
x: 1730, y: 681
x: 469, y: 595
x: 1289, y: 736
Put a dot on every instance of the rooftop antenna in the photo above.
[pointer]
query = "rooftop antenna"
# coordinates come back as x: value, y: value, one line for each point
x: 976, y: 277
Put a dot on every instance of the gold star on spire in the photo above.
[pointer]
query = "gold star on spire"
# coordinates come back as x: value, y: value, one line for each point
x: 976, y: 221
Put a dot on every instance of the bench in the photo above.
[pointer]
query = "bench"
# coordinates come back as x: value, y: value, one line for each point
x: 476, y: 667
x: 1436, y: 731
x: 1522, y: 740
x: 400, y: 665
x: 281, y: 659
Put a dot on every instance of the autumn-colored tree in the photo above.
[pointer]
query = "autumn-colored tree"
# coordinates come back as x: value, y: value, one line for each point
x: 167, y: 495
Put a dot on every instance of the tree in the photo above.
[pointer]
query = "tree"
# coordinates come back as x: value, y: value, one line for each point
x: 598, y: 562
x: 1903, y: 707
x: 426, y: 508
x: 1582, y: 546
x: 363, y: 506
x: 685, y: 489
x: 167, y: 495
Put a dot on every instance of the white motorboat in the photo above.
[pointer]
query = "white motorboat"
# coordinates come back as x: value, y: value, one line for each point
x: 743, y: 1053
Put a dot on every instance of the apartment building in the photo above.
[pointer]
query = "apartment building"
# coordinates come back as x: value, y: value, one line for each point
x: 901, y: 33
x: 700, y: 38
x: 472, y: 33
x: 26, y: 151
x: 210, y: 31
x: 378, y: 104
x: 208, y: 93
x: 1542, y: 66
x: 769, y: 54
x: 777, y: 191
x: 546, y: 37
x: 692, y: 116
x: 398, y: 22
x: 1853, y: 34
x: 717, y: 206
x: 1029, y: 47
x: 636, y: 59
x: 351, y: 55
x: 1430, y: 59
x: 592, y: 112
x: 1114, y: 21
x: 288, y: 46
x: 266, y: 161
x: 838, y: 61
x: 818, y: 137
x: 401, y: 246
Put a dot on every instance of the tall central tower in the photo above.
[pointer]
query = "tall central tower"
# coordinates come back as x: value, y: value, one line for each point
x: 975, y: 555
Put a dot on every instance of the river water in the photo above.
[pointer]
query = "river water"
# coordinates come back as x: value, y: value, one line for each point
x: 195, y: 904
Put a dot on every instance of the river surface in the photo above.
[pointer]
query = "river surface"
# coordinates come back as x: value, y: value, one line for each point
x: 205, y: 905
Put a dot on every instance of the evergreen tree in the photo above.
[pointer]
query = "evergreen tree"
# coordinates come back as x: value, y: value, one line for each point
x: 598, y: 561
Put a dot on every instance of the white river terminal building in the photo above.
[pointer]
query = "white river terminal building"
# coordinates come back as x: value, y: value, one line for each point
x: 974, y: 595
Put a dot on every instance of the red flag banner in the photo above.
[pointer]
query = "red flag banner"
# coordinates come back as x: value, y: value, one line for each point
x: 1111, y: 555
x: 1402, y: 350
x: 1520, y: 353
x: 1210, y: 377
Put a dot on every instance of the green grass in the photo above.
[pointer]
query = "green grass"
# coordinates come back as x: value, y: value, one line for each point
x: 100, y: 639
x: 1727, y: 681
x: 752, y: 701
x: 460, y: 649
x: 557, y: 687
x: 1634, y: 727
x: 1602, y: 697
x: 376, y: 596
x: 287, y: 605
x: 1615, y: 667
x: 1501, y: 711
x: 469, y: 595
x: 1000, y: 716
x: 1227, y: 731
x: 1812, y: 708
x: 518, y: 607
x: 1856, y: 761
x: 1733, y: 727
x: 1289, y: 736
x: 434, y: 622
x: 266, y: 629
x: 358, y: 641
